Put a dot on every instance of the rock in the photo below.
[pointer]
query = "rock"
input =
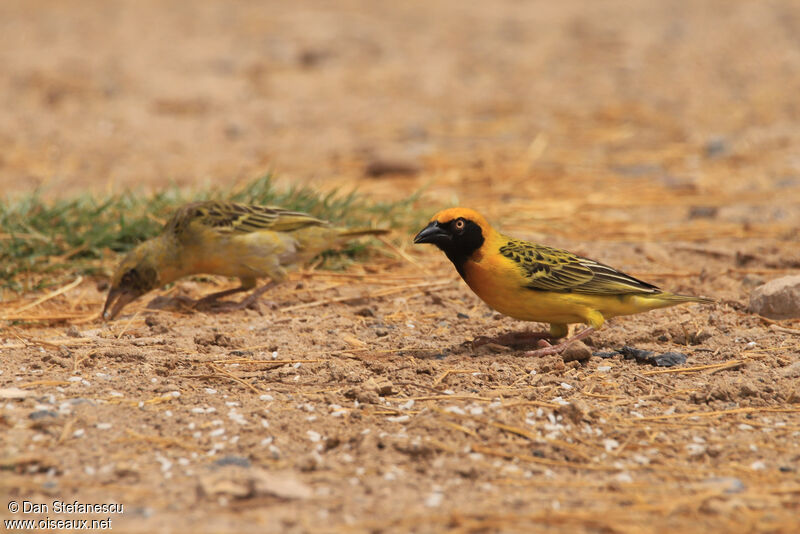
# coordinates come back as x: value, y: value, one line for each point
x: 752, y: 280
x: 605, y: 355
x: 73, y: 331
x: 381, y: 386
x: 727, y: 484
x: 703, y: 212
x: 381, y: 166
x: 632, y: 353
x: 777, y: 299
x: 241, y: 461
x: 41, y: 414
x: 216, y: 338
x: 716, y: 146
x: 576, y: 351
x: 363, y: 393
x: 669, y: 359
x: 575, y: 411
x: 242, y: 483
x: 791, y: 371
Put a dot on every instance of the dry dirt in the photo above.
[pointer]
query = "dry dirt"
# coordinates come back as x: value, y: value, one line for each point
x: 658, y: 137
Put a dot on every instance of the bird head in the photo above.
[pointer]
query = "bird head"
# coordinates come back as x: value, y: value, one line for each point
x: 459, y: 232
x: 136, y: 274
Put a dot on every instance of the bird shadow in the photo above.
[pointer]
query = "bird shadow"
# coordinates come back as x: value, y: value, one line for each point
x: 187, y: 305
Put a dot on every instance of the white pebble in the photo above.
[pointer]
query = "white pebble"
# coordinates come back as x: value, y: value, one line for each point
x: 313, y: 436
x: 398, y: 418
x: 695, y: 449
x: 103, y: 426
x: 610, y: 444
x: 434, y: 500
x: 166, y: 464
x: 266, y: 398
x: 624, y: 477
x: 407, y: 405
x: 210, y: 391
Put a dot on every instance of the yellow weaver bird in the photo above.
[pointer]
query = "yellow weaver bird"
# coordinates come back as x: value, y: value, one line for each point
x: 533, y: 282
x: 224, y: 238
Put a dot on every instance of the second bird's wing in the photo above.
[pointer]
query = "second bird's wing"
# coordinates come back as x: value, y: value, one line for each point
x: 551, y: 269
x: 231, y: 217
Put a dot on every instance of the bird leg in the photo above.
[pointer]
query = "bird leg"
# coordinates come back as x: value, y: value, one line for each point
x: 558, y: 349
x: 255, y: 295
x: 241, y: 305
x: 213, y: 297
x: 512, y: 338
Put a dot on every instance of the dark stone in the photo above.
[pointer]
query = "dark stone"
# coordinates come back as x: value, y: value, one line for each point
x: 41, y: 414
x: 716, y: 146
x: 640, y: 355
x: 233, y: 460
x: 669, y: 359
x: 703, y: 212
x: 605, y: 355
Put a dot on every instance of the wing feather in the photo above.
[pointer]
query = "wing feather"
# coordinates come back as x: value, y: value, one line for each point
x: 551, y: 269
x: 232, y: 217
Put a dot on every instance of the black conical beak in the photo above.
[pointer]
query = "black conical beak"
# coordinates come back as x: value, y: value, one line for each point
x: 117, y: 299
x: 433, y: 233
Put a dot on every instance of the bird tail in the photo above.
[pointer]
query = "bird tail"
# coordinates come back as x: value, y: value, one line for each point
x: 671, y: 299
x: 356, y: 232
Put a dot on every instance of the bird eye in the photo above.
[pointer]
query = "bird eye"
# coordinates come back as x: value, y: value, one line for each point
x: 459, y: 225
x: 129, y: 276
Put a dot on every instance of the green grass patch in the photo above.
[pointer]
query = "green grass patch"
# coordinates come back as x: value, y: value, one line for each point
x: 74, y: 235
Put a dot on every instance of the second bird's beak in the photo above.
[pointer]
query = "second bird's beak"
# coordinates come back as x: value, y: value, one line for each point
x: 122, y: 296
x: 433, y: 233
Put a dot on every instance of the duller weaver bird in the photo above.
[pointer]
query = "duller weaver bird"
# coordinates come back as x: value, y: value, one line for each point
x: 229, y: 239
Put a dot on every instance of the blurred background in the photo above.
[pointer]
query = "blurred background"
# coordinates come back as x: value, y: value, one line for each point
x: 552, y: 109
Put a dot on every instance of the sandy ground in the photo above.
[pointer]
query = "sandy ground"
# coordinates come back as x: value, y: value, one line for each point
x: 658, y: 137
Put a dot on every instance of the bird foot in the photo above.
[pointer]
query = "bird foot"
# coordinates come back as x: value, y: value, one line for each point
x: 177, y: 302
x: 512, y: 338
x: 549, y: 350
x: 251, y: 301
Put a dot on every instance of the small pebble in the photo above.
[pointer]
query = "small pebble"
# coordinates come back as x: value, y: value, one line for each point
x: 233, y: 460
x: 41, y: 414
x: 669, y: 359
